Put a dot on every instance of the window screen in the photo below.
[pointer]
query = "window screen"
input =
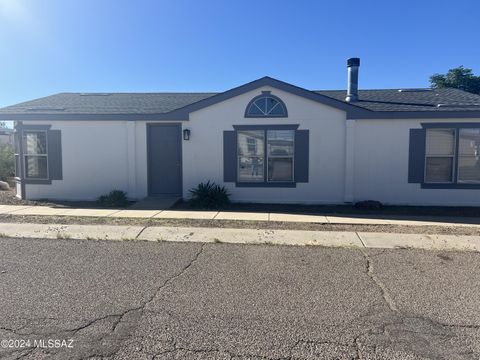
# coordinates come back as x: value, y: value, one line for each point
x: 469, y: 155
x: 35, y: 154
x: 440, y: 154
x: 251, y: 145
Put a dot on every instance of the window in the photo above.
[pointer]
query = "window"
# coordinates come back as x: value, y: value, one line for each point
x: 266, y: 105
x: 469, y: 156
x: 17, y: 154
x: 452, y: 156
x: 280, y: 155
x: 251, y: 145
x: 35, y: 154
x: 273, y: 156
x: 440, y: 155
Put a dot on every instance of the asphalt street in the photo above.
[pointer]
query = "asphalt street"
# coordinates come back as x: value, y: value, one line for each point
x: 72, y: 299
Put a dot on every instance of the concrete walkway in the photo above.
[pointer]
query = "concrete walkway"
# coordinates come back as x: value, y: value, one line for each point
x: 241, y: 236
x: 232, y: 215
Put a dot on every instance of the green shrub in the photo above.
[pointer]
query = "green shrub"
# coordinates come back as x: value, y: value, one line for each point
x: 114, y: 198
x: 209, y: 196
x: 7, y: 162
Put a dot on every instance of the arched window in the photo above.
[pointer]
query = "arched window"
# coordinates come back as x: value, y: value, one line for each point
x: 266, y: 105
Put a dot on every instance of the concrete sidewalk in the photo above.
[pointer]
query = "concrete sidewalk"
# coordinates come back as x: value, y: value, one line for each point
x: 242, y: 236
x: 245, y: 216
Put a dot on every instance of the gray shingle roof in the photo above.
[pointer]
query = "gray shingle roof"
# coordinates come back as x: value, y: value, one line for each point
x: 411, y: 99
x: 107, y: 103
x: 160, y: 103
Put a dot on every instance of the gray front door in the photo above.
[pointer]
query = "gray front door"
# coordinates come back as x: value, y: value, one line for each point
x: 165, y: 159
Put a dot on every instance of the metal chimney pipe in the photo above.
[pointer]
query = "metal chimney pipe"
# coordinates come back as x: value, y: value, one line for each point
x: 352, y: 91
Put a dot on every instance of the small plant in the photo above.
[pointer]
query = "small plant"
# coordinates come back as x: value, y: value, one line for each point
x: 113, y: 199
x: 369, y: 205
x: 209, y: 196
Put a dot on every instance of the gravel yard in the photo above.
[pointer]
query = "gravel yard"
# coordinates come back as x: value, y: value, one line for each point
x: 348, y: 209
x: 9, y: 198
x: 241, y: 224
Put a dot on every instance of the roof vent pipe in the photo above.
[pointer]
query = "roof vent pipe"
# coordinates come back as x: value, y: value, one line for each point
x: 352, y: 91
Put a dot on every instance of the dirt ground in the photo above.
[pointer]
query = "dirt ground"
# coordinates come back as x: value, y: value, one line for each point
x: 349, y: 209
x: 267, y: 225
x: 9, y: 198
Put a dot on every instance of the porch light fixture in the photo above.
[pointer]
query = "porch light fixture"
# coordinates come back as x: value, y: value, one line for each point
x: 186, y: 134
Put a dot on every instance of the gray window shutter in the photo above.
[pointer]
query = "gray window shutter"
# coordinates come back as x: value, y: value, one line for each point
x: 416, y: 156
x: 229, y: 156
x: 301, y: 155
x: 55, y: 155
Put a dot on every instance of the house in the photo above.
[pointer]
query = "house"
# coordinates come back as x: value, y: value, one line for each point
x: 6, y: 136
x: 267, y: 141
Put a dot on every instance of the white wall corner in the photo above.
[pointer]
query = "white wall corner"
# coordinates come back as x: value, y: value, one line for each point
x: 349, y: 195
x: 132, y: 180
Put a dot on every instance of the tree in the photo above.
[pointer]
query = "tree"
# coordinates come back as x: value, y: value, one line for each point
x: 7, y: 162
x: 458, y: 78
x: 7, y: 159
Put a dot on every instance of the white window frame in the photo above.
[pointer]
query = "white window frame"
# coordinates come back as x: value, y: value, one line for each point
x: 25, y: 155
x: 453, y: 156
x: 280, y: 157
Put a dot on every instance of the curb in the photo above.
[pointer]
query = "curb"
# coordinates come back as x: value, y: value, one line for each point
x: 242, y: 236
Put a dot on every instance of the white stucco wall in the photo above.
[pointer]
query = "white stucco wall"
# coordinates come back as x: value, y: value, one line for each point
x: 203, y: 154
x: 94, y: 160
x: 381, y: 166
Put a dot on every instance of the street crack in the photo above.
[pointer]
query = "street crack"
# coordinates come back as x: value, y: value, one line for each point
x: 383, y: 289
x: 117, y: 318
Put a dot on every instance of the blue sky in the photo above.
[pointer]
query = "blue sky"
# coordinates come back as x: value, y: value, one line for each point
x: 51, y: 46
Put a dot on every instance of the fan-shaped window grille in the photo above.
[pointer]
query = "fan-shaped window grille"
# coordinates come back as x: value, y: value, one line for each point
x: 266, y: 105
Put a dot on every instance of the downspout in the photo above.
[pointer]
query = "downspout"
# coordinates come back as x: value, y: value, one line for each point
x: 349, y: 192
x: 131, y: 159
x: 20, y: 177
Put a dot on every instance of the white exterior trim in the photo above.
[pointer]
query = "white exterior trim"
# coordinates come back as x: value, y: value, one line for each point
x: 349, y: 161
x: 131, y: 168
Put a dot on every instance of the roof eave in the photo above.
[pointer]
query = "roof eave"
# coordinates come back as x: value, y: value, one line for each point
x: 414, y: 115
x: 91, y: 117
x: 184, y: 116
x: 277, y: 84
